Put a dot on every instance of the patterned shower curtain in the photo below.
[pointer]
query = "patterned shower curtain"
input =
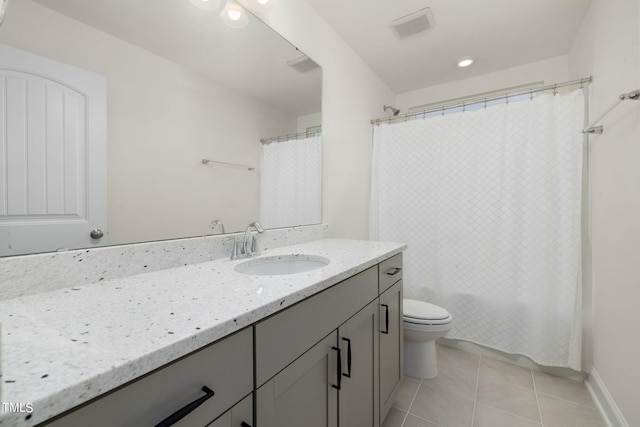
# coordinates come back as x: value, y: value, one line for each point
x: 291, y: 183
x: 489, y: 202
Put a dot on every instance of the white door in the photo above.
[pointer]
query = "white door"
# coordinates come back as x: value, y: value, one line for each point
x: 52, y: 154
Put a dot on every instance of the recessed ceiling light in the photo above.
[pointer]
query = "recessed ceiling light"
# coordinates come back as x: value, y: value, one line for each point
x: 465, y: 62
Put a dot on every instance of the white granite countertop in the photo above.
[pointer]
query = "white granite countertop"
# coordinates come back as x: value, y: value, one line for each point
x: 65, y: 347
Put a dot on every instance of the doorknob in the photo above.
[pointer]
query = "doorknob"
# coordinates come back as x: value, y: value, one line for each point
x: 96, y: 234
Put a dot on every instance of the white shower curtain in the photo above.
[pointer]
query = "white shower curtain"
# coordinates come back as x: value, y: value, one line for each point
x: 291, y: 183
x: 489, y: 202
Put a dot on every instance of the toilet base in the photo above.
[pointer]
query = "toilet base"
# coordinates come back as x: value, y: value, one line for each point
x: 420, y: 359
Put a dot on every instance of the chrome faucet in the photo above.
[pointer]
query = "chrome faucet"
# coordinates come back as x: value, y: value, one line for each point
x: 250, y: 243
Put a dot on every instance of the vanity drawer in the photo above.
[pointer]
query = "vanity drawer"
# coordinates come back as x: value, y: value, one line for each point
x: 226, y: 367
x: 284, y: 336
x: 390, y: 271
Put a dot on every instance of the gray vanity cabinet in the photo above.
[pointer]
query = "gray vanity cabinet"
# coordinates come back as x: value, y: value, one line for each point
x: 358, y: 342
x: 333, y: 359
x: 302, y: 358
x: 391, y: 336
x: 225, y: 367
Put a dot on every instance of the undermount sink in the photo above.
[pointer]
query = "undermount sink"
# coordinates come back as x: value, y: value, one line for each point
x: 281, y: 264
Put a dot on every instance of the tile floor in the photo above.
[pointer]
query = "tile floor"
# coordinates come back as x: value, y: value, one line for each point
x: 477, y: 391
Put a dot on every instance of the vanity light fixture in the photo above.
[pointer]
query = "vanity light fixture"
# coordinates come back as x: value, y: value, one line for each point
x: 234, y: 15
x: 207, y: 5
x: 465, y: 62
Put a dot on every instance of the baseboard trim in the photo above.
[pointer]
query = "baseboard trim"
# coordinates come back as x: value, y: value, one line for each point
x: 604, y: 401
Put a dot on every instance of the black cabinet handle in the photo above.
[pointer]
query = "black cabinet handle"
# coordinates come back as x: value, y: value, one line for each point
x: 394, y: 271
x: 348, y: 357
x: 386, y: 319
x: 186, y: 410
x: 245, y: 424
x: 339, y: 373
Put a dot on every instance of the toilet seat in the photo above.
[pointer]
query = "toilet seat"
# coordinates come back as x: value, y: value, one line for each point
x: 423, y: 313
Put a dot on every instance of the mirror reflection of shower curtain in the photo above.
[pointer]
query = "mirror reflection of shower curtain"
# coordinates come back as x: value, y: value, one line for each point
x: 291, y: 183
x: 489, y: 202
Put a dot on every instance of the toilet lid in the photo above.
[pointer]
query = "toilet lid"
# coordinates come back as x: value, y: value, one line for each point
x: 421, y: 310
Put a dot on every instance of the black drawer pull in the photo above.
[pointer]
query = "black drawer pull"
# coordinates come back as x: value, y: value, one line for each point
x: 393, y: 271
x: 348, y: 357
x: 245, y: 424
x: 186, y: 410
x: 386, y: 319
x: 339, y: 372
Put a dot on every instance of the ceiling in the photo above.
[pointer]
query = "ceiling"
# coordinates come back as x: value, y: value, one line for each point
x: 252, y: 60
x: 498, y: 33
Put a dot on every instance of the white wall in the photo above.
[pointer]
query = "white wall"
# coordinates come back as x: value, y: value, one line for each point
x: 553, y: 70
x: 162, y: 120
x: 351, y: 96
x: 309, y: 120
x: 608, y: 47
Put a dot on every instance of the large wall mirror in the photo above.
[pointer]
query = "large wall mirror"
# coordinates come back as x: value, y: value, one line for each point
x: 174, y: 85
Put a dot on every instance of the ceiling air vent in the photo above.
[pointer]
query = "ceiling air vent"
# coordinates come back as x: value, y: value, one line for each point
x: 413, y: 23
x: 303, y: 64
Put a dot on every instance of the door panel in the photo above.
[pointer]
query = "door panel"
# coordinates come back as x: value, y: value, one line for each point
x: 52, y: 154
x: 359, y: 397
x: 390, y: 346
x: 302, y: 394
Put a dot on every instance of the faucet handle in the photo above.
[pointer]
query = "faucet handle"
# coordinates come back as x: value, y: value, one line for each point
x: 235, y: 249
x: 254, y: 245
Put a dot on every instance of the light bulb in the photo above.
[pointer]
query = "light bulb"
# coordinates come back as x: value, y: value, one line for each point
x: 234, y: 15
x: 262, y: 6
x: 465, y: 62
x: 207, y: 5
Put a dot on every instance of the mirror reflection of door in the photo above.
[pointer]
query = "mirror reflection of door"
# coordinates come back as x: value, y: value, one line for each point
x: 52, y: 154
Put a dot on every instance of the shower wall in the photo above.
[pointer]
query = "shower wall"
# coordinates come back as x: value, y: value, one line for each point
x: 608, y: 48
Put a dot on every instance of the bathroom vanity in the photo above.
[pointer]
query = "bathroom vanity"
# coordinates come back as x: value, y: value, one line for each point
x: 250, y: 350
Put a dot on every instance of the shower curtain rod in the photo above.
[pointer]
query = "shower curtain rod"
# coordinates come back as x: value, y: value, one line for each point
x: 289, y: 137
x: 480, y: 99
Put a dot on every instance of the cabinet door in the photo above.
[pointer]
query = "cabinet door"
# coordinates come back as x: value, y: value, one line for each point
x: 390, y: 346
x: 241, y: 415
x: 304, y: 393
x: 359, y: 394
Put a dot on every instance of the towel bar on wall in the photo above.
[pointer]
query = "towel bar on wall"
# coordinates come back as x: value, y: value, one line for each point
x: 635, y: 95
x: 207, y: 161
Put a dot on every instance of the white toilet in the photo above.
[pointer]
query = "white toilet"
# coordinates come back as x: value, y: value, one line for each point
x: 423, y: 323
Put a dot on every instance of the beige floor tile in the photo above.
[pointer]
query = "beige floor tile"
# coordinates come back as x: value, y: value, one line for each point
x: 492, y: 369
x: 562, y: 413
x: 511, y: 398
x: 454, y: 357
x: 488, y: 416
x: 453, y: 380
x: 442, y: 408
x: 395, y: 417
x: 413, y: 421
x: 564, y: 388
x: 406, y: 393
